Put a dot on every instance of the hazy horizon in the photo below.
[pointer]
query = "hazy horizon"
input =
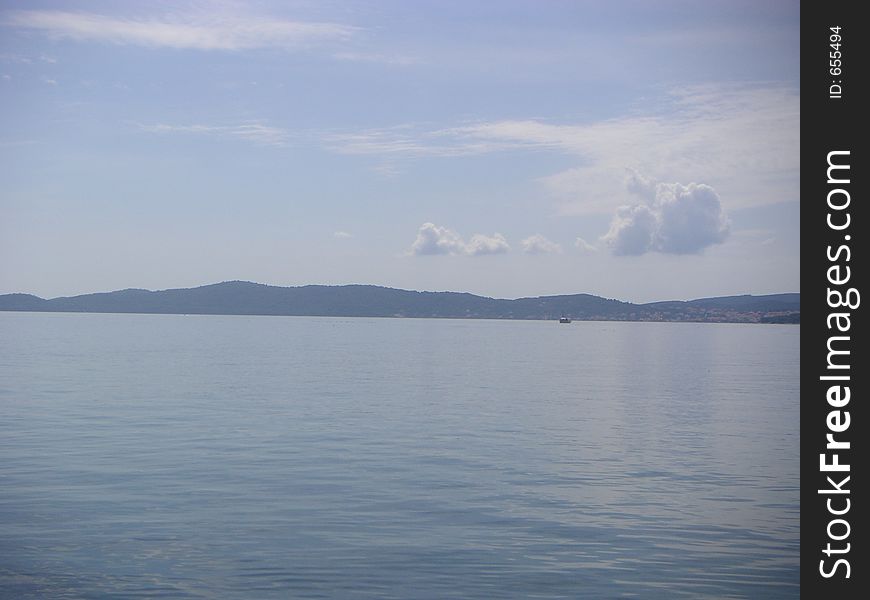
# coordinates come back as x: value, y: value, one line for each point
x: 632, y: 150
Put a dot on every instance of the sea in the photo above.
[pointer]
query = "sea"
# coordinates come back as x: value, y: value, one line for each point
x: 191, y: 456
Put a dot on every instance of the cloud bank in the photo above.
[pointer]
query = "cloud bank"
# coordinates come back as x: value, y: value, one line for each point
x: 673, y: 219
x: 433, y: 240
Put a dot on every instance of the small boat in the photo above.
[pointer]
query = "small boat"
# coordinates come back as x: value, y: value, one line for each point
x: 564, y: 320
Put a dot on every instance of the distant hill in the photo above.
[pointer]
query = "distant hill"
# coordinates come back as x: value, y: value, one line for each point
x: 246, y: 298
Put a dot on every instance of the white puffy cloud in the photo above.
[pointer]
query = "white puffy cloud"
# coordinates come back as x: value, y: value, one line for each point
x: 486, y: 244
x: 691, y: 218
x: 538, y: 244
x: 632, y: 231
x: 432, y: 239
x: 674, y: 219
x: 639, y: 185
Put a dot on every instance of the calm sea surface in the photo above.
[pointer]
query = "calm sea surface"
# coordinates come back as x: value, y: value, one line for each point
x: 286, y: 457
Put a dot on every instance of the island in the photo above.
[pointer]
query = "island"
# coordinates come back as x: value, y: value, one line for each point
x: 247, y: 298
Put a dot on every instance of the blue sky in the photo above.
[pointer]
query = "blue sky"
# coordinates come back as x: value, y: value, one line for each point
x: 638, y: 150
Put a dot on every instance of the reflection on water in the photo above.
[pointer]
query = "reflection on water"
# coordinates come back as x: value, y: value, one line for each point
x: 275, y: 457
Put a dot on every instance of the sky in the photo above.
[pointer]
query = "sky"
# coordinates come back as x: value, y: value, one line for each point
x: 629, y: 149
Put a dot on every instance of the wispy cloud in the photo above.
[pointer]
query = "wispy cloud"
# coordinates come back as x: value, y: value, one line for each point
x: 342, y: 235
x: 433, y: 240
x: 26, y: 60
x: 584, y: 247
x: 384, y: 59
x: 392, y: 141
x: 386, y: 169
x: 755, y: 237
x: 198, y: 31
x: 15, y: 58
x: 408, y: 142
x: 253, y: 132
x: 743, y: 140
